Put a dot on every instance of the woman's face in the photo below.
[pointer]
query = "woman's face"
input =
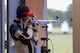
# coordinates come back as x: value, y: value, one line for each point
x: 27, y: 18
x: 24, y: 18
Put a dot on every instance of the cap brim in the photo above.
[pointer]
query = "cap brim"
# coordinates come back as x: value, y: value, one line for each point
x: 28, y: 13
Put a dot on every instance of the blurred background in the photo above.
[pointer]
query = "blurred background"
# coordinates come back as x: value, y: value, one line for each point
x: 61, y: 33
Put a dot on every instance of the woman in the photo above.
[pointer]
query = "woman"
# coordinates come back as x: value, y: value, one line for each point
x: 23, y: 32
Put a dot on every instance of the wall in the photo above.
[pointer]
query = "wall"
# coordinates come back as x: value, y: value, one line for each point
x: 37, y: 6
x: 2, y: 26
x: 76, y: 26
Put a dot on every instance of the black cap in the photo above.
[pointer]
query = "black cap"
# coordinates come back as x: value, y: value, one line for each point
x: 20, y: 11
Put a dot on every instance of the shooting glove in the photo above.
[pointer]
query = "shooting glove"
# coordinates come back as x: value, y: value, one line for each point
x: 29, y: 31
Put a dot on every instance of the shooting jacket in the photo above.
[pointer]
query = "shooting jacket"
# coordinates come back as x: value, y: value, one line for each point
x: 16, y: 31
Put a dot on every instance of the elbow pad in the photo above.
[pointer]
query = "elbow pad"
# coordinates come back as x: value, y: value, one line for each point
x: 23, y: 40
